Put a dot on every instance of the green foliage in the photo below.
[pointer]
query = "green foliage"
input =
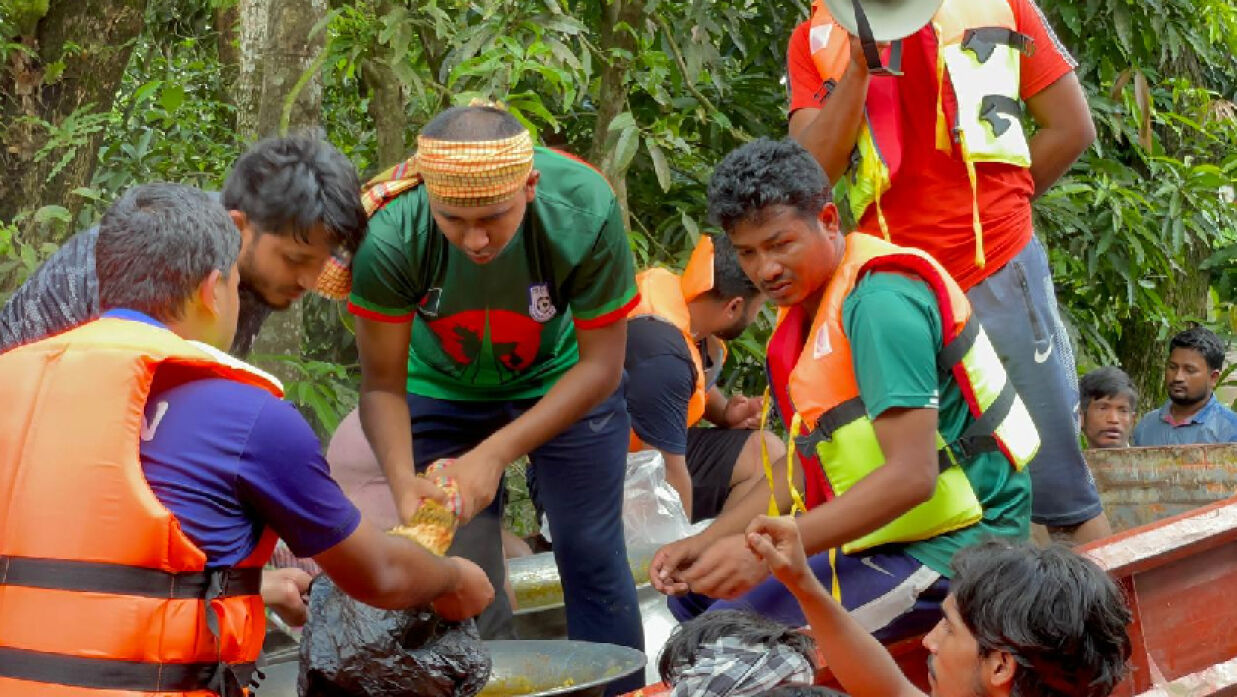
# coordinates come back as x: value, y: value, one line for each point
x: 1132, y: 226
x: 324, y: 392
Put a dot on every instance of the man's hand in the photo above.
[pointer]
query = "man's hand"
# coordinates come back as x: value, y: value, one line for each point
x: 726, y: 569
x: 742, y: 412
x: 409, y: 497
x: 478, y: 474
x: 283, y: 591
x: 670, y: 561
x: 775, y: 541
x: 473, y: 592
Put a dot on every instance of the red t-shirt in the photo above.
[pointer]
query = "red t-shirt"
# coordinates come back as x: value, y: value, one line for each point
x: 929, y: 203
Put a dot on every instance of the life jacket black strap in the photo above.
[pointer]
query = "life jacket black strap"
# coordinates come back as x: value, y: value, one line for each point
x: 982, y: 41
x: 979, y: 436
x: 1000, y: 112
x: 951, y: 354
x: 847, y: 412
x: 119, y: 579
x: 106, y: 674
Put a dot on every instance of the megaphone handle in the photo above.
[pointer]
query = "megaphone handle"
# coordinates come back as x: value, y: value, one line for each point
x: 866, y: 40
x: 870, y: 51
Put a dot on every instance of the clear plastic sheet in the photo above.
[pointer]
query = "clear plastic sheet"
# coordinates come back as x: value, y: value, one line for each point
x: 653, y: 513
x: 349, y: 649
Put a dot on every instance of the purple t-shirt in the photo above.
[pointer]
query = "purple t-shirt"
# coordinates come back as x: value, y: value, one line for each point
x: 227, y: 458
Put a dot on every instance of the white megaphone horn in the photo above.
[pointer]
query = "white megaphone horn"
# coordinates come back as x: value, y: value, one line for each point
x: 882, y: 21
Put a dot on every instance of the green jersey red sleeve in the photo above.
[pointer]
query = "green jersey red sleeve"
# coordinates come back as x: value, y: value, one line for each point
x: 382, y: 286
x: 602, y: 289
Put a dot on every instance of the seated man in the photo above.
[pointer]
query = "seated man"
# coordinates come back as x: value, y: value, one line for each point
x: 912, y: 441
x: 675, y: 352
x: 1018, y: 621
x: 1109, y: 402
x: 134, y: 546
x: 1192, y: 414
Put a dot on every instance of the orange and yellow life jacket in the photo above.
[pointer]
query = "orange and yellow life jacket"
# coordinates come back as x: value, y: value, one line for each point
x: 664, y: 296
x: 101, y: 593
x: 977, y: 47
x: 812, y: 380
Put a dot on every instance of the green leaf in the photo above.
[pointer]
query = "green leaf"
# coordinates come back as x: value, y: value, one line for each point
x: 660, y: 166
x: 693, y: 230
x: 625, y: 149
x: 47, y: 214
x: 172, y: 97
x: 622, y: 122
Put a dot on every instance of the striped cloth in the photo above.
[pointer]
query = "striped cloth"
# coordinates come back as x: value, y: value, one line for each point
x: 730, y: 668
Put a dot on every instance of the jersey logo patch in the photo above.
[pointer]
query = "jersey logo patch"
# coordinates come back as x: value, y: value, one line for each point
x: 540, y: 307
x: 428, y: 307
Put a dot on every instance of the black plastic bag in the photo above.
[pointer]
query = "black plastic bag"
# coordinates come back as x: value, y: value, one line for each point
x: 349, y: 649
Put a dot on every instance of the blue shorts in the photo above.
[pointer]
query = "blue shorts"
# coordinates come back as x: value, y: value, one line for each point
x: 1018, y: 309
x: 887, y: 591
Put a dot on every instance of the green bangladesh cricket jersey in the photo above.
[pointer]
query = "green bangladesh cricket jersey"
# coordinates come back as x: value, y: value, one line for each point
x: 503, y: 330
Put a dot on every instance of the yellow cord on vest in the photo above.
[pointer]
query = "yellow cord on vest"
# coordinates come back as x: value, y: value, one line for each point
x: 975, y: 223
x: 880, y: 215
x: 796, y: 505
x: 796, y: 498
x: 942, y: 126
x: 836, y: 587
x: 764, y: 454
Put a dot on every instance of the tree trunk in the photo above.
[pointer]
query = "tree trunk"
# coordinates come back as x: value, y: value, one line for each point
x: 227, y: 40
x: 612, y: 94
x: 289, y: 54
x: 91, y: 40
x: 252, y: 16
x: 386, y: 110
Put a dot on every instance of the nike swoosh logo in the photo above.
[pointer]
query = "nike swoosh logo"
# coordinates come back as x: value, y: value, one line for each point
x: 148, y: 429
x: 597, y: 424
x: 1041, y: 357
x: 867, y: 561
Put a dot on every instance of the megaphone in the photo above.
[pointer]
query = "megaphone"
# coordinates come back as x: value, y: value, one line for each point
x: 883, y: 21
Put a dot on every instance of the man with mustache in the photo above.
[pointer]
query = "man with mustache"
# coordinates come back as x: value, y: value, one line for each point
x: 675, y: 351
x: 1109, y: 402
x: 1192, y: 413
x: 1018, y: 621
x: 911, y: 440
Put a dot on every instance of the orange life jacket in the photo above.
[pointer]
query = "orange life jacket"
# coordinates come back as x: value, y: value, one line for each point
x: 812, y: 380
x: 101, y: 593
x: 661, y: 298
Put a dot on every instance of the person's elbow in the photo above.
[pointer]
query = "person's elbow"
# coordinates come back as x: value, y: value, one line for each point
x: 919, y: 482
x: 1083, y: 133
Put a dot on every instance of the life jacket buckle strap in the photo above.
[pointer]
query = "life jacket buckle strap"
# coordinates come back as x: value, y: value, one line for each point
x: 1000, y: 112
x: 982, y: 41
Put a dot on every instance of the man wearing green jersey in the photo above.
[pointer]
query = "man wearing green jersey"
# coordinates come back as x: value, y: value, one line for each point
x: 491, y: 295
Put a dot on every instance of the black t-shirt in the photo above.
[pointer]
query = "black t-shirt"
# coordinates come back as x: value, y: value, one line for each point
x: 660, y: 381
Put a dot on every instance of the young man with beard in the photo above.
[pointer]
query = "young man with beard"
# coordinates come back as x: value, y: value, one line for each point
x: 911, y: 440
x: 1019, y: 622
x: 296, y: 202
x: 675, y: 351
x: 491, y: 296
x: 1109, y: 403
x: 1192, y: 414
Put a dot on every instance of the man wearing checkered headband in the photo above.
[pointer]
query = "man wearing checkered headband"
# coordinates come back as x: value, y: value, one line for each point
x: 491, y: 295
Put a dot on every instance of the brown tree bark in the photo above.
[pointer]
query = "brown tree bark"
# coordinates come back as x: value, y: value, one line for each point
x: 252, y: 16
x: 92, y: 40
x: 386, y: 110
x: 612, y: 93
x: 290, y: 52
x: 227, y: 40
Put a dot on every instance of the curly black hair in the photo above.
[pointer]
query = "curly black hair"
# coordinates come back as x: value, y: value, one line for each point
x: 1204, y: 341
x: 762, y: 174
x: 1105, y: 383
x: 729, y: 280
x: 1060, y: 616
